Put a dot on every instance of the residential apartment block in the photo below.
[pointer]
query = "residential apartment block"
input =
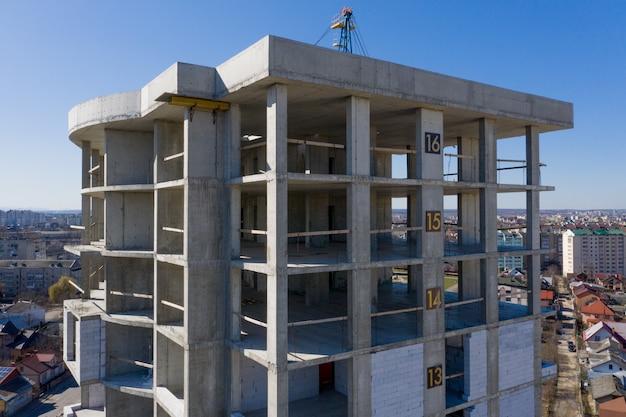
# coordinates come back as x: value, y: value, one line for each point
x: 13, y: 249
x: 593, y: 251
x: 33, y: 278
x: 238, y: 246
x: 510, y: 238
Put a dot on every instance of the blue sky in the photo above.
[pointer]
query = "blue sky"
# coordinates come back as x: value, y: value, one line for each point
x: 56, y: 54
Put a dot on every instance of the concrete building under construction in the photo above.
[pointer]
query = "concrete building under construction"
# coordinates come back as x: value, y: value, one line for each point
x: 240, y: 255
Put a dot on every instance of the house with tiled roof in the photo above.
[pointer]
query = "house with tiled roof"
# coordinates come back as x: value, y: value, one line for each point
x: 584, y: 293
x: 613, y: 282
x: 595, y: 311
x: 603, y: 389
x: 15, y: 391
x: 613, y: 408
x: 42, y: 368
x: 23, y: 343
x: 31, y: 312
x: 611, y: 363
x: 547, y: 298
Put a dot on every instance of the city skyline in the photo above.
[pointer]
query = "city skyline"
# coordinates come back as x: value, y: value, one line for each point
x: 57, y: 57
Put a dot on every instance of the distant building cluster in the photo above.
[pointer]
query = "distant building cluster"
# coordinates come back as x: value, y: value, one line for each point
x: 29, y: 218
x: 26, y: 279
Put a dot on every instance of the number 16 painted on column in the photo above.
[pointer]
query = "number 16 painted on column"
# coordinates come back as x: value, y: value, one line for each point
x: 432, y: 142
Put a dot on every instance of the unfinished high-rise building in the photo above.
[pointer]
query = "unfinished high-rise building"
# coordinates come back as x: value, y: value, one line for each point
x: 241, y: 256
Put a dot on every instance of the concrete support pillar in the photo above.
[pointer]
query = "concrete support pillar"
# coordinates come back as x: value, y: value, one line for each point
x: 359, y: 279
x: 468, y: 204
x: 98, y: 179
x: 86, y: 199
x: 234, y: 170
x: 429, y: 160
x: 207, y: 261
x: 277, y: 252
x: 488, y: 237
x: 533, y: 241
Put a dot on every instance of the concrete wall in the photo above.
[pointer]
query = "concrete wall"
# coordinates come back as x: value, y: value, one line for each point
x: 516, y: 355
x: 90, y: 346
x: 97, y: 395
x: 303, y: 383
x: 121, y: 404
x: 397, y: 382
x: 127, y: 343
x: 341, y: 377
x: 129, y: 275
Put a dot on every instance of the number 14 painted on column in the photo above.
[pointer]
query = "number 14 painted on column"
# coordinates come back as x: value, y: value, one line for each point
x: 432, y: 142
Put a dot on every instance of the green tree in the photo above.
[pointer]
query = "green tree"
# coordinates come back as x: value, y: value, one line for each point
x: 62, y: 289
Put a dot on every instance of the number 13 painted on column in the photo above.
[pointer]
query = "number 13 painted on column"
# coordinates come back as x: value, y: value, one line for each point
x: 432, y: 142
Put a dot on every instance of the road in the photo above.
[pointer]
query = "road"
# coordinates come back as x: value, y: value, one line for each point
x: 52, y: 402
x: 568, y: 399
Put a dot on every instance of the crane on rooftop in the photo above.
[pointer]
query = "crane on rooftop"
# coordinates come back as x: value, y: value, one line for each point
x: 349, y: 39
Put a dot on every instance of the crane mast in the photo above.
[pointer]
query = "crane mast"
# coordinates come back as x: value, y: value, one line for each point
x: 344, y: 21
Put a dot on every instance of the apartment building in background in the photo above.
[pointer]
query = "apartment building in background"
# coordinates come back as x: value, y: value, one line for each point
x: 593, y: 251
x: 510, y: 238
x: 238, y: 246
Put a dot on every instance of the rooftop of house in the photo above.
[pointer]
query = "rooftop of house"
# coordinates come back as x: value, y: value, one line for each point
x: 33, y: 363
x: 14, y: 387
x: 617, y: 329
x: 616, y: 405
x: 598, y: 232
x: 547, y: 295
x: 596, y: 308
x: 23, y: 306
x: 603, y: 386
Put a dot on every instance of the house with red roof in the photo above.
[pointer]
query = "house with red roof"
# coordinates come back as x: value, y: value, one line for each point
x: 42, y: 368
x: 595, y: 311
x: 586, y: 292
x: 613, y: 408
x: 612, y: 282
x: 547, y: 298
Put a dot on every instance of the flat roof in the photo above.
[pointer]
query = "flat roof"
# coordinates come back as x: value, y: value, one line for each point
x: 319, y: 81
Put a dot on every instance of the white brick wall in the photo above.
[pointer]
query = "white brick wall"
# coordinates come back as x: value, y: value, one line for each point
x: 68, y: 336
x: 516, y: 354
x: 479, y: 410
x: 398, y: 382
x: 518, y: 404
x: 253, y: 385
x: 90, y: 349
x: 303, y: 383
x: 475, y: 362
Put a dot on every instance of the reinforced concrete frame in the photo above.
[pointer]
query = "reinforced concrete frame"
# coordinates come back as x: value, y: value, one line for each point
x: 239, y: 250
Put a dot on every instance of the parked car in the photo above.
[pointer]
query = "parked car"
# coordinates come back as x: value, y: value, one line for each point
x: 570, y: 346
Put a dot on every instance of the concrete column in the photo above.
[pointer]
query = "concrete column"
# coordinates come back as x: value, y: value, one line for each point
x: 359, y: 286
x: 277, y: 252
x: 468, y: 203
x: 489, y: 242
x: 234, y: 171
x: 98, y: 178
x: 208, y: 263
x: 533, y: 241
x: 85, y: 199
x: 429, y: 160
